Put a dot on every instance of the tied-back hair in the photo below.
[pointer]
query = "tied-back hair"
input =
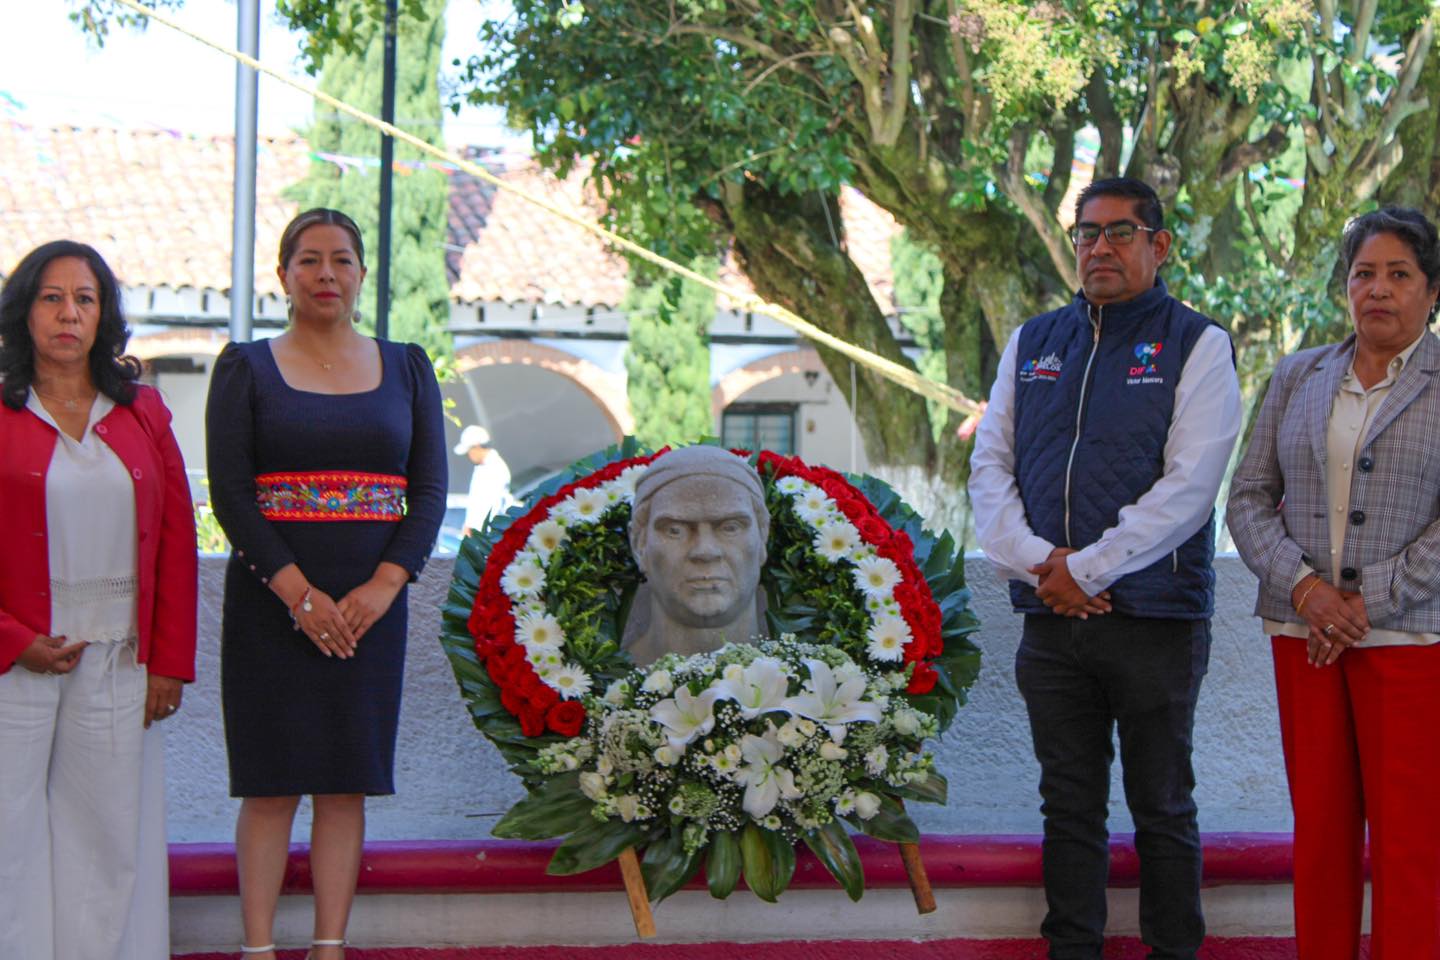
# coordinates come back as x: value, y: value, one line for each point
x: 1147, y: 204
x: 318, y: 216
x: 113, y: 373
x: 1408, y: 225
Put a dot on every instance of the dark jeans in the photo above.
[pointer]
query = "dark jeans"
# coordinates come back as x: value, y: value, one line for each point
x: 1081, y: 679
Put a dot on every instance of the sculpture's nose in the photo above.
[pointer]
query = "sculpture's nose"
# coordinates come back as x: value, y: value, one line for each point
x: 705, y: 547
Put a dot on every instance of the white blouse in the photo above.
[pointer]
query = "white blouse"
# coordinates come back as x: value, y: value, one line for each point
x: 90, y: 530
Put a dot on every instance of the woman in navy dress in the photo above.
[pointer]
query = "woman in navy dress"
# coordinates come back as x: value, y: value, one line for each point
x: 327, y: 471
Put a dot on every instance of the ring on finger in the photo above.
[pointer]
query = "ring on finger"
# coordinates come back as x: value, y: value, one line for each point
x: 1329, y: 629
x: 324, y: 636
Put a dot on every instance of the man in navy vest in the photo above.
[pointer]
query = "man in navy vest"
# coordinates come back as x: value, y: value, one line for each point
x: 1093, y: 484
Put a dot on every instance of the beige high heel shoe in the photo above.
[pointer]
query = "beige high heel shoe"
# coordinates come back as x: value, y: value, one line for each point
x: 322, y: 943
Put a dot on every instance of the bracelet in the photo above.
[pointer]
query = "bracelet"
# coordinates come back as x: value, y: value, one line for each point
x: 1298, y: 607
x: 303, y: 603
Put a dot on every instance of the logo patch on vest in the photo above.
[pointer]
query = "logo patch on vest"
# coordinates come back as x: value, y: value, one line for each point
x: 1041, y: 368
x: 1145, y: 370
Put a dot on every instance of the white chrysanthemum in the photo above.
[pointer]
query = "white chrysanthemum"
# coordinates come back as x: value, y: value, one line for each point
x: 876, y: 576
x: 814, y: 506
x: 625, y: 483
x: 617, y: 692
x: 570, y: 681
x: 836, y: 539
x: 545, y: 538
x: 584, y: 506
x: 524, y: 577
x: 791, y: 485
x: 540, y: 632
x: 887, y: 637
x: 544, y: 659
x: 877, y: 760
x: 845, y: 803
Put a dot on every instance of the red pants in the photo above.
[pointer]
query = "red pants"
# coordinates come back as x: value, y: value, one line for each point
x: 1362, y: 743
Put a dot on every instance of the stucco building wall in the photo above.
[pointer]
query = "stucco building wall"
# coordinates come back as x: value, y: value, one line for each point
x: 452, y: 784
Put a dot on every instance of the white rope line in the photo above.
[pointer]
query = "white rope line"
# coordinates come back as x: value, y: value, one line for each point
x: 898, y: 373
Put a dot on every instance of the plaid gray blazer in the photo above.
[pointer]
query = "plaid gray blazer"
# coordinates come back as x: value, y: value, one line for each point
x: 1278, y: 509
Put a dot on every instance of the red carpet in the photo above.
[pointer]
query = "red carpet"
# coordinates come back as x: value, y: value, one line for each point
x: 1216, y: 948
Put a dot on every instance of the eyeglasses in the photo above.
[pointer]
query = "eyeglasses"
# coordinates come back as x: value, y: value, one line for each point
x: 1119, y: 234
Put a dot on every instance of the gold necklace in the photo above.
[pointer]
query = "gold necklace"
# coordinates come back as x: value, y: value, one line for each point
x: 69, y: 403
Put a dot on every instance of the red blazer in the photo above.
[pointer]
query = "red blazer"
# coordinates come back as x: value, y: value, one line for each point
x: 165, y: 531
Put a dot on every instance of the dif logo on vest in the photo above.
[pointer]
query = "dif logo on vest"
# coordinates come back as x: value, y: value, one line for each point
x: 1145, y: 371
x: 1041, y: 368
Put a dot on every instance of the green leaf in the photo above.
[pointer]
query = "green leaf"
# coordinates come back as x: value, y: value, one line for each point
x: 934, y: 789
x: 594, y: 845
x: 722, y: 864
x: 891, y: 823
x: 555, y: 809
x: 666, y: 866
x: 769, y: 861
x: 1184, y: 36
x: 833, y: 847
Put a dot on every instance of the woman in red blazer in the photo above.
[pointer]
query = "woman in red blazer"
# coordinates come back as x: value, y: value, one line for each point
x: 97, y: 617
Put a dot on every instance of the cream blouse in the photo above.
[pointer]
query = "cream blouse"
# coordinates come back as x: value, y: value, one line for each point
x: 90, y: 531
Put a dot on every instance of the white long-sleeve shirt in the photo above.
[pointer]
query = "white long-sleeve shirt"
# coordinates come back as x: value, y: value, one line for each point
x: 1203, y: 428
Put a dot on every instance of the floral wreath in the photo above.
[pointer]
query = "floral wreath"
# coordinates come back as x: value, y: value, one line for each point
x: 729, y: 757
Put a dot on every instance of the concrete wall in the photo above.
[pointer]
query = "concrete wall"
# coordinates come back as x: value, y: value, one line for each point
x: 451, y: 783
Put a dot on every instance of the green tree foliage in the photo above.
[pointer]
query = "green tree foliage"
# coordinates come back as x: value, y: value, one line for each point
x: 919, y: 283
x: 419, y: 287
x: 667, y: 361
x: 961, y: 117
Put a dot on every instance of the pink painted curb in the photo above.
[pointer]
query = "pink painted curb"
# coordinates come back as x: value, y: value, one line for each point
x: 510, y: 866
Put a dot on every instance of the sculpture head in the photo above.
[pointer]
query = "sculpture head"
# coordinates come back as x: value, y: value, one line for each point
x: 698, y: 531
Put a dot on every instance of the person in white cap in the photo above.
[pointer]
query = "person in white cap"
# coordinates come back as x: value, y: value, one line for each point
x: 489, y: 481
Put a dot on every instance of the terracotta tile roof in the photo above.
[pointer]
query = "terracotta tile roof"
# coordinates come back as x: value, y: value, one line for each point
x: 516, y: 252
x: 157, y: 206
x: 154, y: 203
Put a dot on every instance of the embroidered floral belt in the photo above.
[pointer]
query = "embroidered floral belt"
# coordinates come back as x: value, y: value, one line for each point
x: 341, y: 495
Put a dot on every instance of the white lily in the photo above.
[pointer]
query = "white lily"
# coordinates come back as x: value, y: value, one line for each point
x: 832, y: 703
x: 765, y: 781
x: 686, y: 715
x: 760, y: 687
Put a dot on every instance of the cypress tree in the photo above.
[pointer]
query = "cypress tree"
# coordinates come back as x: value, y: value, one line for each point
x: 419, y: 285
x: 668, y: 360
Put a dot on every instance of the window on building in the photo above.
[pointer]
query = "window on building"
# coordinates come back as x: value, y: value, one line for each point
x: 759, y: 426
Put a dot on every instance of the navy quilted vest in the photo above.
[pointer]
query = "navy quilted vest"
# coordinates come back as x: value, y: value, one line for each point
x: 1091, y: 419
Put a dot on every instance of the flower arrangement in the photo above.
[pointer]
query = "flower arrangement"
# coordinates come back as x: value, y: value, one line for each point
x: 725, y: 758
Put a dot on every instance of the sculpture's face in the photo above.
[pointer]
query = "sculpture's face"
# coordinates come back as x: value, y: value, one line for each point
x: 701, y: 551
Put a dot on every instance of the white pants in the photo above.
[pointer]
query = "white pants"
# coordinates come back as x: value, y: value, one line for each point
x: 82, y: 814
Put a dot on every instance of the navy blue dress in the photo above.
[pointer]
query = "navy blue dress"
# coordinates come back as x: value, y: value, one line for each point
x: 296, y: 721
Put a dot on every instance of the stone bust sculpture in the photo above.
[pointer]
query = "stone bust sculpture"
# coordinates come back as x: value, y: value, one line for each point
x: 698, y: 531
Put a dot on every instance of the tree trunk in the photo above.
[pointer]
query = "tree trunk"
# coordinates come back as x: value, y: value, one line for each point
x: 788, y: 249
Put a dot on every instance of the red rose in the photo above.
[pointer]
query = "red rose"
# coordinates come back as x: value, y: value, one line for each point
x: 923, y: 679
x: 532, y: 721
x: 875, y: 531
x: 566, y: 718
x: 937, y: 644
x: 511, y: 700
x: 915, y: 649
x: 542, y: 696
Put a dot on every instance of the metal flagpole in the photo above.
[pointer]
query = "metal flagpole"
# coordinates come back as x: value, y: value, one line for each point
x: 387, y: 177
x: 247, y: 98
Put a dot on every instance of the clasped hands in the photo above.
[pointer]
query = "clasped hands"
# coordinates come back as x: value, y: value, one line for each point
x: 335, y: 627
x: 1059, y: 591
x: 1336, y: 619
x: 54, y: 655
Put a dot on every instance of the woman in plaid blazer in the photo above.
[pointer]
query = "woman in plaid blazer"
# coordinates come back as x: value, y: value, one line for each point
x: 1336, y: 508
